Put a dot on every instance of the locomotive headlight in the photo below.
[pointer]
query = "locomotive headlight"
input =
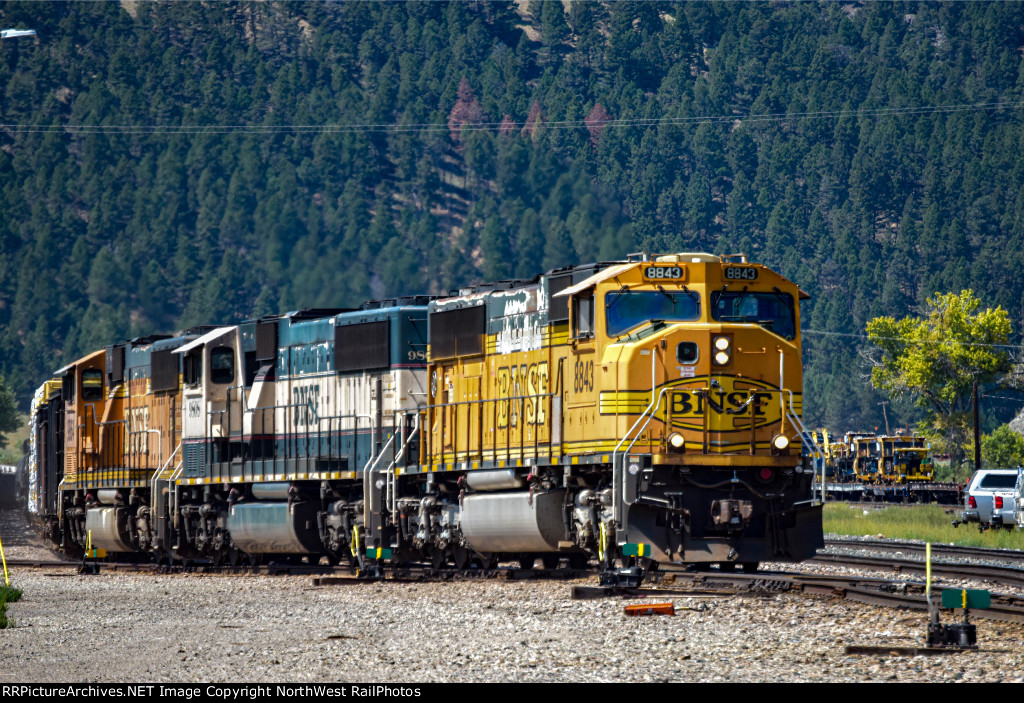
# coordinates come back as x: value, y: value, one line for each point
x: 723, y: 350
x: 780, y: 441
x: 676, y: 440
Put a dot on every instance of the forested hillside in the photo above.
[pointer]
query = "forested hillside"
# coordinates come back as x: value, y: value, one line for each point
x: 173, y: 163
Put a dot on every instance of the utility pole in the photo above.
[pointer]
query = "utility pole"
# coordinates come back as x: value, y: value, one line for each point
x: 977, y: 431
x: 886, y: 416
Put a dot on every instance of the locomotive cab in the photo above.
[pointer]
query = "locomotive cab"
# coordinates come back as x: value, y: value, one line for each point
x: 691, y: 367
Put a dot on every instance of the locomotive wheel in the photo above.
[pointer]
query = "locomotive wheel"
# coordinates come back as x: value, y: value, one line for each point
x: 526, y: 563
x: 460, y: 555
x: 727, y: 566
x: 550, y: 561
x: 437, y: 558
x: 751, y: 567
x: 488, y: 562
x: 578, y: 561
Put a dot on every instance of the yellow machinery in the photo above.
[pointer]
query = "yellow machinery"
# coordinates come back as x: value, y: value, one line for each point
x: 905, y: 458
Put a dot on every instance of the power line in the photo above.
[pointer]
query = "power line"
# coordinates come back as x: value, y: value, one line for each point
x: 913, y: 341
x: 470, y: 2
x: 433, y: 127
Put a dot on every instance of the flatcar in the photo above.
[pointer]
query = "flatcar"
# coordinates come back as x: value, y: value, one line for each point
x: 629, y: 412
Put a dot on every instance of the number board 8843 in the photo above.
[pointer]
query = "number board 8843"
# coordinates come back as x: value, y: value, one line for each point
x: 665, y: 273
x: 740, y: 273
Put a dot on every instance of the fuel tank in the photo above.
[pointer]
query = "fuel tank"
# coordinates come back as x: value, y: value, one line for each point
x: 513, y: 522
x: 274, y: 528
x: 106, y: 532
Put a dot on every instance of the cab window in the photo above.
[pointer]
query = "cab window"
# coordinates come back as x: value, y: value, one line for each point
x: 626, y: 309
x: 92, y: 385
x: 193, y: 369
x: 222, y: 365
x: 771, y: 310
x: 583, y: 316
x: 68, y: 387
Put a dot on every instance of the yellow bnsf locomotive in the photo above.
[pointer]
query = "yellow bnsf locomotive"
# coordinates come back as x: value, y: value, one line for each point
x: 630, y: 412
x: 649, y: 408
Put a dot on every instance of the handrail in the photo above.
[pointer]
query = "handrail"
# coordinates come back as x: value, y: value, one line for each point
x: 156, y: 476
x: 519, y: 413
x: 173, y: 495
x: 806, y: 442
x: 616, y: 470
x: 392, y: 493
x: 375, y: 459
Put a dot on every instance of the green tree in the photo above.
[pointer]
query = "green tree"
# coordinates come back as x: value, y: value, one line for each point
x: 1002, y: 449
x: 936, y: 359
x: 9, y: 419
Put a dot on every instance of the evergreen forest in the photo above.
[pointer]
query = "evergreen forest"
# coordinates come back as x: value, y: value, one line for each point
x: 169, y: 164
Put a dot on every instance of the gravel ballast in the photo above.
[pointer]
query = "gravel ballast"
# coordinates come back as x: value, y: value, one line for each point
x: 138, y: 627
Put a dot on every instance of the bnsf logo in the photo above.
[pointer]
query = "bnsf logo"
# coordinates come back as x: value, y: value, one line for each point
x: 663, y: 272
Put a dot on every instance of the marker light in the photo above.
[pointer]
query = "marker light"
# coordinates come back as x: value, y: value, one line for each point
x: 676, y: 440
x: 780, y: 441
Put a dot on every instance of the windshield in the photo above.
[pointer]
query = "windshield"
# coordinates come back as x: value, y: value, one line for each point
x: 625, y: 309
x: 773, y: 311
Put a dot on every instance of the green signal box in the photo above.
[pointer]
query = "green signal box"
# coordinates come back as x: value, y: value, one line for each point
x: 968, y: 599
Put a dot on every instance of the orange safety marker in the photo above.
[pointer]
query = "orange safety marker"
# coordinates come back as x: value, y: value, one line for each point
x: 651, y: 609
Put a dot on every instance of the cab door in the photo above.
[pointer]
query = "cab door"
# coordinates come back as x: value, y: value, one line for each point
x: 581, y: 395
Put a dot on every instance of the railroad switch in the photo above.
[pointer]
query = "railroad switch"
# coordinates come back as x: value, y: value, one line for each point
x: 960, y: 635
x: 630, y: 577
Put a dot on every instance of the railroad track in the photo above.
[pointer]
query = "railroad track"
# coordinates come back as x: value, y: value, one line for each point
x: 1005, y: 575
x: 674, y: 581
x: 873, y: 591
x: 323, y: 575
x: 944, y: 550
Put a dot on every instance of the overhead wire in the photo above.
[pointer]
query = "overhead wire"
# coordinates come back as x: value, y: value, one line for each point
x: 431, y: 127
x: 905, y: 341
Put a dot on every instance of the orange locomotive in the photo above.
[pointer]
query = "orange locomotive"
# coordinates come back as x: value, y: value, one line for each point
x: 122, y: 409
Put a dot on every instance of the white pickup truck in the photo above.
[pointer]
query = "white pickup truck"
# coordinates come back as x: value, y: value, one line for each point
x: 1018, y: 494
x: 991, y: 498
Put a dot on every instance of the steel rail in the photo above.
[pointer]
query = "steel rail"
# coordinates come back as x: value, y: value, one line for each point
x: 1006, y: 575
x: 948, y: 550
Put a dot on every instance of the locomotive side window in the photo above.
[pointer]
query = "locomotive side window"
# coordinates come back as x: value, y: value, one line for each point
x: 626, y: 309
x: 193, y: 369
x: 773, y: 311
x: 68, y: 386
x: 92, y: 385
x: 222, y: 365
x: 583, y: 316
